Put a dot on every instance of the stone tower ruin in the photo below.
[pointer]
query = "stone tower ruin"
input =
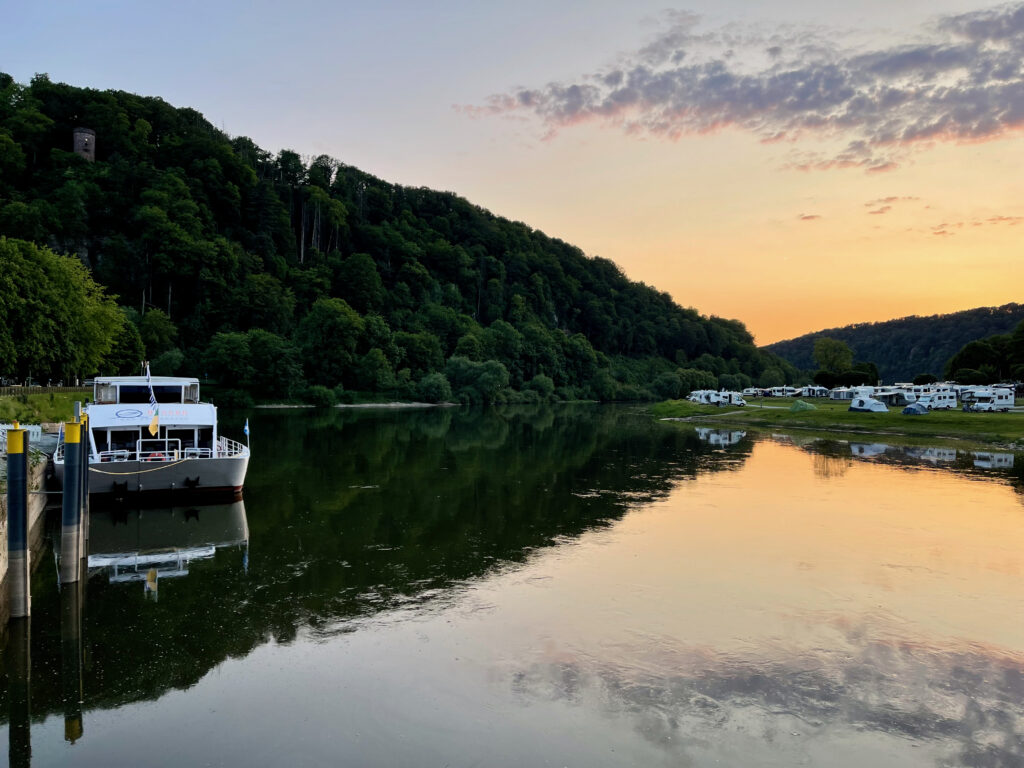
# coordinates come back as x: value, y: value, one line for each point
x: 85, y: 143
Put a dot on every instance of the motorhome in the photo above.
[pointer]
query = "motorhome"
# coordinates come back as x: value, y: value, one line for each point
x: 813, y: 391
x: 992, y: 400
x: 731, y: 398
x: 703, y: 397
x: 938, y: 400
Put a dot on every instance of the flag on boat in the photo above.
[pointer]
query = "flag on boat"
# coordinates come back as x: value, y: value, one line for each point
x: 245, y: 429
x: 154, y: 425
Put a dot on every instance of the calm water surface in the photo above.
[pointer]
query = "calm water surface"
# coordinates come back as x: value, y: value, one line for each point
x: 576, y: 586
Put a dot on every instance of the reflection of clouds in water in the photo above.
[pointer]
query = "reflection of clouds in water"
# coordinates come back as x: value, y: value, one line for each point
x: 961, y: 706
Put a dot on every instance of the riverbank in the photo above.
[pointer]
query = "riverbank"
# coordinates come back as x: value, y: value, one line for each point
x: 38, y: 408
x: 1003, y: 430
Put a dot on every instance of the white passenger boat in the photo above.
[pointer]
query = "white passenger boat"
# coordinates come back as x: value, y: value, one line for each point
x: 186, y: 453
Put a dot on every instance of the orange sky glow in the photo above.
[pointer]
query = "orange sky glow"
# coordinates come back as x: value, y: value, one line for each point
x: 790, y: 166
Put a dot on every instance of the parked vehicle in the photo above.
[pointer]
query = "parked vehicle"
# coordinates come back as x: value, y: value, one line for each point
x: 938, y: 400
x: 993, y: 400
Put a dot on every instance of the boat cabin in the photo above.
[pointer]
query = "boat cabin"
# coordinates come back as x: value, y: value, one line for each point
x: 109, y: 390
x: 120, y: 417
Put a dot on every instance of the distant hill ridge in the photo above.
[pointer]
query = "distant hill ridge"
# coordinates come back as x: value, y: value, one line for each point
x: 907, y: 346
x: 292, y: 278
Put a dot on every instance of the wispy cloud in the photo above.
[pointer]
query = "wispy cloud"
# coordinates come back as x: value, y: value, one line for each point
x: 885, y: 204
x: 809, y: 216
x: 960, y: 79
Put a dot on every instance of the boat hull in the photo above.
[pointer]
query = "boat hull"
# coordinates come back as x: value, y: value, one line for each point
x: 196, y: 476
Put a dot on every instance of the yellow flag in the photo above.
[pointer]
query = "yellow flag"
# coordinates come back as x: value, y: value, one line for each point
x: 154, y: 425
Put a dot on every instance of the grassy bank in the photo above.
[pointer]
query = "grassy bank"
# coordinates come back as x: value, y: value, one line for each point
x: 37, y: 408
x: 1002, y: 429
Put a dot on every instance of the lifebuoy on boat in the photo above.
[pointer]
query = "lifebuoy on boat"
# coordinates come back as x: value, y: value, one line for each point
x: 156, y: 456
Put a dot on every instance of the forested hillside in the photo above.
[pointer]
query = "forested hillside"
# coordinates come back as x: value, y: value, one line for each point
x: 908, y: 346
x: 287, y: 277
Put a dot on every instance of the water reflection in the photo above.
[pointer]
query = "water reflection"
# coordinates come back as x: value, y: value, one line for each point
x: 146, y: 545
x: 959, y: 707
x: 708, y: 586
x: 834, y: 456
x: 720, y: 438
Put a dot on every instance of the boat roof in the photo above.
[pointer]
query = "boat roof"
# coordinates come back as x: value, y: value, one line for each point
x: 155, y: 380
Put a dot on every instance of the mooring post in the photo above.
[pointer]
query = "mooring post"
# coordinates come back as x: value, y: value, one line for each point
x: 71, y: 599
x: 19, y: 667
x: 83, y: 550
x: 19, y: 558
x: 71, y: 511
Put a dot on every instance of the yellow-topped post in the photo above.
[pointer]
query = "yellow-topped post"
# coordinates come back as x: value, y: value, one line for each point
x: 19, y: 563
x: 71, y: 508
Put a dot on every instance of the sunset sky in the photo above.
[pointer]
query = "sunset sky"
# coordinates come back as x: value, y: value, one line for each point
x: 794, y: 168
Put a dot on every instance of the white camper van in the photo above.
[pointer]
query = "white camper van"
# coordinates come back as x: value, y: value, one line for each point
x: 992, y: 400
x: 933, y: 401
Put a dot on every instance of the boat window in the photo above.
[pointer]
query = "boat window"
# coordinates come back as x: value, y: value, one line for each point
x: 123, y: 439
x: 205, y: 437
x: 186, y: 436
x: 139, y: 393
x: 105, y: 393
x: 192, y: 393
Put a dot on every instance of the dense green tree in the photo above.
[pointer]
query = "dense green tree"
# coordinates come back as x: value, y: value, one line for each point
x: 127, y: 352
x: 434, y: 388
x: 276, y: 363
x: 328, y: 336
x: 228, y: 360
x: 56, y: 322
x: 667, y: 386
x: 158, y: 333
x: 693, y: 379
x: 359, y: 283
x: 832, y: 355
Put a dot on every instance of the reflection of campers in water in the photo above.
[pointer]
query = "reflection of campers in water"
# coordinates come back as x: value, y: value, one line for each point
x: 714, y: 397
x: 985, y: 460
x: 867, y: 450
x: 720, y: 438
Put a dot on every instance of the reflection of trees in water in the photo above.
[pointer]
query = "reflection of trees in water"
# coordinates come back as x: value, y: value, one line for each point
x: 353, y: 512
x: 966, y: 703
x: 826, y: 466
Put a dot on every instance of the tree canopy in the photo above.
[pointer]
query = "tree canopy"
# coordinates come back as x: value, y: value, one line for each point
x: 57, y: 322
x: 354, y: 282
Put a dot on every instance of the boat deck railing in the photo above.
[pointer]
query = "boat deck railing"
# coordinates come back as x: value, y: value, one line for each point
x: 227, y: 448
x: 158, y: 450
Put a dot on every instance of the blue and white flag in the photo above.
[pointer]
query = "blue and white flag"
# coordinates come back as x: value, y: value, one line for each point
x: 154, y: 425
x: 246, y: 428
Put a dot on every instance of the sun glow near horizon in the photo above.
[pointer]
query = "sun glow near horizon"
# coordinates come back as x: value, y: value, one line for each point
x: 793, y: 168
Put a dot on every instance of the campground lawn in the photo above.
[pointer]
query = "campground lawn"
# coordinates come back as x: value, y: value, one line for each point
x: 1004, y: 429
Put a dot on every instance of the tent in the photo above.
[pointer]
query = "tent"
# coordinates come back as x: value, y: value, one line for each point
x: 915, y: 409
x: 800, y: 405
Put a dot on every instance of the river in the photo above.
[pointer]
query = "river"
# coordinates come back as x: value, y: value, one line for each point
x: 567, y: 586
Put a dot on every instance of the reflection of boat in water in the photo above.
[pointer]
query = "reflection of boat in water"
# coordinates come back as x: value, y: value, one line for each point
x: 720, y: 438
x: 147, y: 544
x: 186, y: 452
